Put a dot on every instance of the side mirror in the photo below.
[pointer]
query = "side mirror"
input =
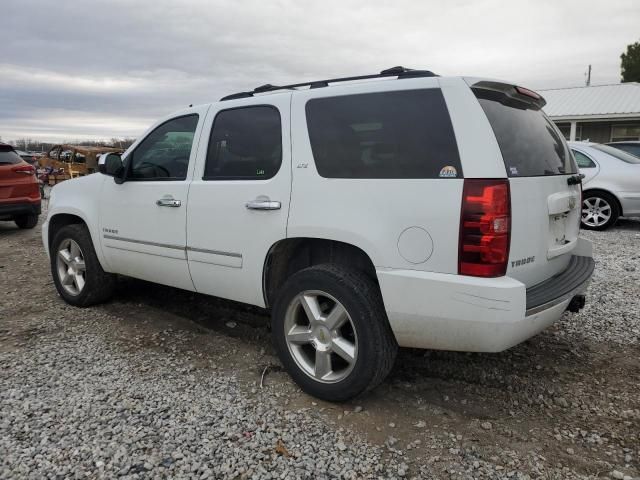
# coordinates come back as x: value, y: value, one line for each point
x: 111, y: 164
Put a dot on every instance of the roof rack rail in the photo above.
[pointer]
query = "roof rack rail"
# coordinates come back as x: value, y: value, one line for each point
x: 400, y: 72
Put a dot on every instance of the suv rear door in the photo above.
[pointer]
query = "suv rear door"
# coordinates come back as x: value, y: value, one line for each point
x: 545, y: 193
x: 239, y: 197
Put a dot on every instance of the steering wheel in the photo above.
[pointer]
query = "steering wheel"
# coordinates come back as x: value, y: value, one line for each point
x: 156, y: 167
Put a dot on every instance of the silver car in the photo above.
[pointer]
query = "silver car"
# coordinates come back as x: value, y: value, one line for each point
x: 611, y: 184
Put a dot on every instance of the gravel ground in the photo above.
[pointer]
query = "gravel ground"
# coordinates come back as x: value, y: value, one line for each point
x: 163, y: 383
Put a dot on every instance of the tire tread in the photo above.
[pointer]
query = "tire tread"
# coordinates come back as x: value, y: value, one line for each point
x: 26, y: 221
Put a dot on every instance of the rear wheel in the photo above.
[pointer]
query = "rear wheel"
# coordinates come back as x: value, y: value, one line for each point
x: 76, y: 270
x: 331, y: 332
x: 26, y: 221
x: 599, y: 210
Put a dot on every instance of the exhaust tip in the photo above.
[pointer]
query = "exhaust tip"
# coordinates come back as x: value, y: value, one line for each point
x: 577, y: 303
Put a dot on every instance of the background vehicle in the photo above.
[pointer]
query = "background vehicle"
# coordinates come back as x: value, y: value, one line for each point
x: 30, y: 158
x: 611, y: 186
x: 19, y: 189
x: 73, y: 160
x: 630, y: 147
x: 407, y: 209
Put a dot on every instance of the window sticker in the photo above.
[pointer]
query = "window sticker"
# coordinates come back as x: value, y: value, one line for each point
x: 448, y: 172
x: 514, y: 170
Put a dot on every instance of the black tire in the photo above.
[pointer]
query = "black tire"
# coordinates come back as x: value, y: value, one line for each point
x: 99, y: 285
x: 26, y: 221
x: 603, y: 196
x: 376, y: 344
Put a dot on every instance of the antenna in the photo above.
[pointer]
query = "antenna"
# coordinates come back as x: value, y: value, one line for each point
x: 588, y: 82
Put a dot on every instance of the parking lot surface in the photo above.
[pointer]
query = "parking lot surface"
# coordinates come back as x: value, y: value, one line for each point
x: 165, y: 383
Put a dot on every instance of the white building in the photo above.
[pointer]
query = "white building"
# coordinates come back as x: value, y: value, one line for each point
x: 600, y: 113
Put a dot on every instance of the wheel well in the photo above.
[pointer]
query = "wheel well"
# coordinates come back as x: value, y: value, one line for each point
x: 592, y: 190
x: 62, y: 220
x: 291, y: 255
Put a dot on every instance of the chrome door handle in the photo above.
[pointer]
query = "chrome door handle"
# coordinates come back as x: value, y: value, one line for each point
x: 168, y: 202
x: 259, y: 204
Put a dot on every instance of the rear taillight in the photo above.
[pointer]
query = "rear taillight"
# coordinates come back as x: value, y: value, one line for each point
x: 26, y: 169
x: 485, y: 227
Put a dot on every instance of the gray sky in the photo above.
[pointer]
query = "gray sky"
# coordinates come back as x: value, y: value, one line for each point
x: 78, y: 69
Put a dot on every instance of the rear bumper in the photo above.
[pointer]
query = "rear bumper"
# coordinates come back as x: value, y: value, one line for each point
x: 454, y: 312
x: 10, y: 210
x: 563, y: 286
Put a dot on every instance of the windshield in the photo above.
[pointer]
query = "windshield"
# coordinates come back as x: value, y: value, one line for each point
x: 530, y: 144
x: 619, y: 154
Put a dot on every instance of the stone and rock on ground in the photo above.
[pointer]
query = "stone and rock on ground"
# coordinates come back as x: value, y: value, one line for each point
x: 161, y: 383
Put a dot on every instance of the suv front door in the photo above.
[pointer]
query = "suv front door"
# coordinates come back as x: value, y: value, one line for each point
x: 239, y: 197
x: 143, y: 220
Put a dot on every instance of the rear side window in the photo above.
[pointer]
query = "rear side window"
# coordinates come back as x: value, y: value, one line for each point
x: 632, y: 149
x: 9, y: 157
x: 582, y: 160
x: 401, y: 134
x: 530, y: 144
x: 245, y: 144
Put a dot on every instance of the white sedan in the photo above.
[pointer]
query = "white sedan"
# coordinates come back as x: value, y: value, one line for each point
x: 611, y: 184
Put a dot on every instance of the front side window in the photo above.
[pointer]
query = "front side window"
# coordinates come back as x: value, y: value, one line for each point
x: 399, y: 134
x: 245, y: 144
x: 164, y: 153
x: 582, y: 160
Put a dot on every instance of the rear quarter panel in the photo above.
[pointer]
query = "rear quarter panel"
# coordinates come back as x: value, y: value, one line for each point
x: 17, y: 187
x: 372, y: 214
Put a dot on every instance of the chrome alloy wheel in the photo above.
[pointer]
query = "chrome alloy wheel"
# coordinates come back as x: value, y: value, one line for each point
x: 596, y: 211
x: 71, y: 267
x: 321, y: 336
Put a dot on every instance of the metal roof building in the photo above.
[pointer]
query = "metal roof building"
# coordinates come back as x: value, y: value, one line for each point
x: 599, y: 113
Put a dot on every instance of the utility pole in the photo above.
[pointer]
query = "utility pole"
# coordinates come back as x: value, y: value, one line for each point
x: 589, y: 76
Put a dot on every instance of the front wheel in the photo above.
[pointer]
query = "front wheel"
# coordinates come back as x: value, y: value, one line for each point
x: 331, y: 332
x: 76, y: 270
x: 599, y: 211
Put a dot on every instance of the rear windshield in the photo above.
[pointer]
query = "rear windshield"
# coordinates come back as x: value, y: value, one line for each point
x: 629, y: 148
x: 9, y: 157
x: 619, y: 154
x: 399, y: 134
x: 530, y: 144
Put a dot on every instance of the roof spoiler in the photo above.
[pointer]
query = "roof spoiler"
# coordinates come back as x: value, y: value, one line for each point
x: 512, y: 95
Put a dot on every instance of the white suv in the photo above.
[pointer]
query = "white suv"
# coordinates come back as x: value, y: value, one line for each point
x: 367, y: 213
